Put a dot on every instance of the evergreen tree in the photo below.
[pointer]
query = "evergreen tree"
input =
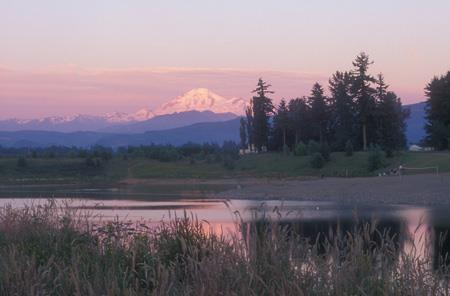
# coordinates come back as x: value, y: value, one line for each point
x: 281, y: 122
x: 298, y: 111
x: 383, y: 111
x: 438, y: 112
x: 249, y: 122
x: 343, y: 109
x: 243, y: 133
x: 363, y: 94
x: 390, y: 118
x: 319, y: 112
x: 262, y: 109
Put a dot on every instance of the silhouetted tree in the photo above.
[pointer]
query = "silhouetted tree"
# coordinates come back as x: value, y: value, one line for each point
x: 249, y: 122
x: 363, y: 92
x: 281, y: 122
x: 243, y: 133
x: 343, y: 109
x: 319, y: 112
x: 262, y: 109
x: 360, y: 111
x: 438, y: 112
x: 391, y: 118
x: 299, y: 119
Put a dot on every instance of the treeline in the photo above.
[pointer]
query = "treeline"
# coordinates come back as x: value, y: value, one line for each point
x: 361, y: 112
x: 438, y: 112
x: 210, y: 152
x: 97, y: 156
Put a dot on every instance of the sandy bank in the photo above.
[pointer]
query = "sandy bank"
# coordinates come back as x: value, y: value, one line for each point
x: 415, y: 189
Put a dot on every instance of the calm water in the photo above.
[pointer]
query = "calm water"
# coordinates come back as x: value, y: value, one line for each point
x: 418, y: 229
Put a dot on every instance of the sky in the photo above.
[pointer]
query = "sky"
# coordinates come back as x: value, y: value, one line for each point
x: 59, y: 57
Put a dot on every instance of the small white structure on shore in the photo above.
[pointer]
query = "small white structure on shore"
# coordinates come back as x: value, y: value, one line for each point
x: 252, y: 150
x: 415, y: 148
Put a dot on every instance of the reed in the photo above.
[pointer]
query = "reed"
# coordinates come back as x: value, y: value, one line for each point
x: 53, y: 250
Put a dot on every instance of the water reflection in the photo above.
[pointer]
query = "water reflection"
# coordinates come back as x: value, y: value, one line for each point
x: 421, y: 231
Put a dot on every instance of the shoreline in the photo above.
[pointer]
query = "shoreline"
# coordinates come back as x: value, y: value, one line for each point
x: 424, y: 189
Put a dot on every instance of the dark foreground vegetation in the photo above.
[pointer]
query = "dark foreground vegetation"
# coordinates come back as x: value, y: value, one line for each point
x: 46, y: 250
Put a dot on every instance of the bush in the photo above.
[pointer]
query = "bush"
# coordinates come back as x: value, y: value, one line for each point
x: 301, y: 149
x: 93, y: 162
x: 325, y: 151
x: 228, y: 163
x: 389, y: 152
x: 21, y: 162
x: 349, y: 148
x: 317, y: 160
x: 313, y: 147
x: 375, y: 158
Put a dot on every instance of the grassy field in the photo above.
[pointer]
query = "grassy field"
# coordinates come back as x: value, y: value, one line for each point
x: 272, y: 165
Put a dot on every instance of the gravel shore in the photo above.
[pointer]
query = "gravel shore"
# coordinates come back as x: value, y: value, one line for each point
x: 413, y: 189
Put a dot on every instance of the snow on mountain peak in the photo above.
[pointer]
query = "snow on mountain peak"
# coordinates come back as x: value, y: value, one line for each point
x: 202, y: 99
x: 197, y: 99
x: 143, y: 114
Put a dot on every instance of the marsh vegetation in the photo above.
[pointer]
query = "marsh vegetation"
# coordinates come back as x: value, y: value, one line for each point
x: 54, y: 250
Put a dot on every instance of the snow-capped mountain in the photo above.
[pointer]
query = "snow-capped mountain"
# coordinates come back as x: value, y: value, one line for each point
x: 199, y: 99
x: 202, y: 99
x: 121, y: 117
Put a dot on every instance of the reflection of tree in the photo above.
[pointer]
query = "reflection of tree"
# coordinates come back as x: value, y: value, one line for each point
x: 441, y: 246
x: 320, y: 233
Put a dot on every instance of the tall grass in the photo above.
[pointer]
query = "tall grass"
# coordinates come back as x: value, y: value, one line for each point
x: 53, y: 250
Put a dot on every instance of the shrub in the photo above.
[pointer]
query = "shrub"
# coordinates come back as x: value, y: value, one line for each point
x: 349, y: 148
x: 375, y: 158
x: 389, y: 152
x: 21, y: 162
x: 313, y: 147
x: 325, y: 151
x: 93, y: 162
x: 228, y: 163
x: 317, y: 160
x: 301, y: 149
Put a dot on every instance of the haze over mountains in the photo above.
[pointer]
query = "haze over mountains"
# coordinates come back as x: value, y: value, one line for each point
x: 199, y: 116
x: 197, y: 105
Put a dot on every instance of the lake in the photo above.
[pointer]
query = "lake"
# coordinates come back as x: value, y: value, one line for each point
x: 416, y: 228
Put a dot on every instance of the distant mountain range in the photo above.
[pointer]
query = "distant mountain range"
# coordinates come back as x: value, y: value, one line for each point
x: 217, y: 132
x: 169, y: 121
x: 415, y: 131
x: 197, y: 116
x: 176, y: 113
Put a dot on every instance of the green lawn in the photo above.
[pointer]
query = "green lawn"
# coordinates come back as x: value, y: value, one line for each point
x: 263, y: 165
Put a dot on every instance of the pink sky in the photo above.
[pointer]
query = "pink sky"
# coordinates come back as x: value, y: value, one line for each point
x: 69, y: 89
x: 152, y: 51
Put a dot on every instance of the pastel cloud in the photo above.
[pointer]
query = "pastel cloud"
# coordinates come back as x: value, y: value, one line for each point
x: 68, y: 89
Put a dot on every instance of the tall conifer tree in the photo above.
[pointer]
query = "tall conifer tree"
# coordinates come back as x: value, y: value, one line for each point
x: 438, y: 112
x: 343, y: 109
x: 319, y: 111
x: 262, y: 109
x: 363, y: 94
